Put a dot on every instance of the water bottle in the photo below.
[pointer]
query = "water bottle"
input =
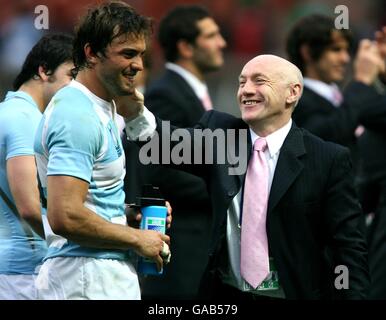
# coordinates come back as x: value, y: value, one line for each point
x: 154, y: 214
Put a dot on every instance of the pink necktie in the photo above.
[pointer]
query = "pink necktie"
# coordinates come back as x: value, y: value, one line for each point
x: 254, y: 264
x: 206, y: 102
x: 337, y: 96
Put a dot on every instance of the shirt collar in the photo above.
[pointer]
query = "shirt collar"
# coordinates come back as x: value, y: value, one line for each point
x: 199, y: 87
x: 21, y: 95
x: 274, y: 140
x: 321, y: 88
x: 105, y: 105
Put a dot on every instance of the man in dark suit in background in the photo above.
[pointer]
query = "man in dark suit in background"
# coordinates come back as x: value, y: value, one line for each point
x: 372, y: 187
x: 304, y: 204
x: 322, y: 53
x: 192, y: 45
x: 372, y: 183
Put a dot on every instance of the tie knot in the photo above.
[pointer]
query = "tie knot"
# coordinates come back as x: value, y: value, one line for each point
x: 260, y: 144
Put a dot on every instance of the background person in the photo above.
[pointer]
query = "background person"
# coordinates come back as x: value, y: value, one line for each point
x: 45, y: 70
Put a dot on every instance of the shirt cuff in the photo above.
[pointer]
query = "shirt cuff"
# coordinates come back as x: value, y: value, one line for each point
x: 142, y: 127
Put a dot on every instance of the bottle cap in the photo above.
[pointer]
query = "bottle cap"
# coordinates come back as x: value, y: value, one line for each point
x: 151, y: 196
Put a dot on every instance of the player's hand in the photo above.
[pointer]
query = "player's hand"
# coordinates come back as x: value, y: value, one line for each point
x: 130, y: 106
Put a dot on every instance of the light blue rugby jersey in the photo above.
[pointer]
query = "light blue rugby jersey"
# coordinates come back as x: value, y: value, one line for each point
x: 78, y: 137
x: 19, y: 118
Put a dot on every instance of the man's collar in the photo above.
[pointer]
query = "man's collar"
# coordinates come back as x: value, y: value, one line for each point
x: 276, y: 139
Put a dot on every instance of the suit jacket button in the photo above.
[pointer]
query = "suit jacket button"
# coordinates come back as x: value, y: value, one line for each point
x: 231, y: 193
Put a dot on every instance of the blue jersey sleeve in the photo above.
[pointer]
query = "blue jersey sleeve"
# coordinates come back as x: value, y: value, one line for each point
x: 20, y: 131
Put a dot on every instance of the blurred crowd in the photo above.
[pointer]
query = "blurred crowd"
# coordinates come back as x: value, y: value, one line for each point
x: 249, y: 27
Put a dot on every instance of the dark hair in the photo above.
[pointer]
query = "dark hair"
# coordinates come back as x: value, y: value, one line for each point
x: 49, y: 52
x: 102, y: 24
x: 316, y: 32
x: 180, y: 24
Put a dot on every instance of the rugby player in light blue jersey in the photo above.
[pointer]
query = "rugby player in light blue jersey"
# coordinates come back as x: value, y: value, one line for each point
x: 82, y: 166
x: 46, y: 69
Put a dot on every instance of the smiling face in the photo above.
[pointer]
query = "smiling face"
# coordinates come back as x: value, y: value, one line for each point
x: 269, y: 87
x: 117, y: 70
x: 332, y: 64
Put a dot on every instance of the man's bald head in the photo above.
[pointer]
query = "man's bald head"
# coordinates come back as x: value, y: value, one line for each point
x: 283, y: 68
x: 269, y: 89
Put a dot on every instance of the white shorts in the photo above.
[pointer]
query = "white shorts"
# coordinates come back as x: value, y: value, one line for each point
x: 17, y: 287
x: 79, y: 278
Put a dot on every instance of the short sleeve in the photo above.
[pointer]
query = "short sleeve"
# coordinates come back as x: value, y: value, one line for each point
x: 20, y: 131
x: 73, y: 139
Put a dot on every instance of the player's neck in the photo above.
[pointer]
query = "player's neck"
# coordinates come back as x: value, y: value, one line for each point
x: 89, y: 79
x: 35, y: 90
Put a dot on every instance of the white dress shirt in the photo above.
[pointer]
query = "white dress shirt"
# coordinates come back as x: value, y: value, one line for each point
x: 198, y: 87
x: 323, y: 89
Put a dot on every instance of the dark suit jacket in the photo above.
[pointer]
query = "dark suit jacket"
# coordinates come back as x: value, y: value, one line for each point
x: 372, y: 146
x: 171, y: 98
x: 374, y: 114
x: 312, y: 208
x: 372, y: 188
x: 320, y: 117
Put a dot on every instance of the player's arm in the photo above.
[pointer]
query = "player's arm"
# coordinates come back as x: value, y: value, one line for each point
x: 22, y: 179
x: 69, y: 218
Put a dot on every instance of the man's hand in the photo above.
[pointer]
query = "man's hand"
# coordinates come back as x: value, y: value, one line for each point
x: 368, y: 63
x: 151, y: 245
x: 169, y: 214
x: 130, y: 106
x: 380, y: 38
x: 134, y: 215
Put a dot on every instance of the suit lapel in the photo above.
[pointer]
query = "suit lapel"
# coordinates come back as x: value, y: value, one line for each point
x: 288, y: 166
